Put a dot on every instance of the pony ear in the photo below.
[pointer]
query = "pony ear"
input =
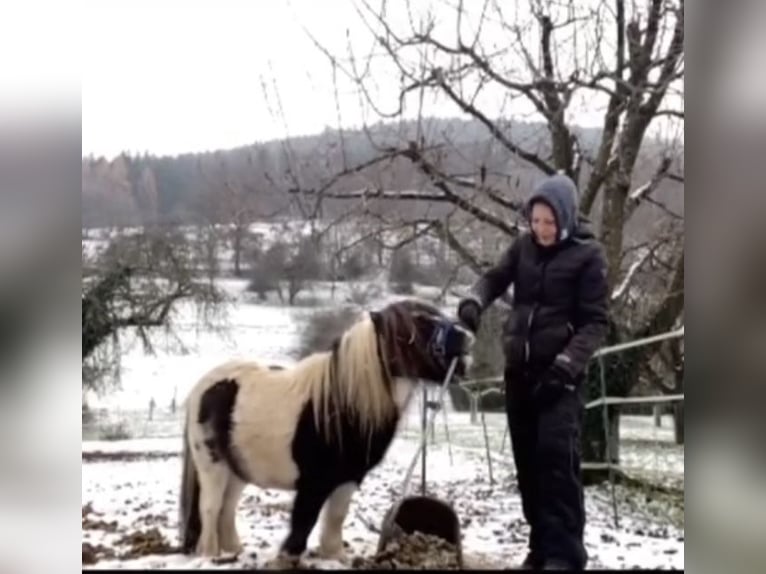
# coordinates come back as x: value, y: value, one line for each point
x: 377, y: 320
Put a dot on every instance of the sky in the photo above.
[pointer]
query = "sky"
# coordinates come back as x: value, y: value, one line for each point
x: 169, y: 77
x: 188, y: 76
x: 39, y: 59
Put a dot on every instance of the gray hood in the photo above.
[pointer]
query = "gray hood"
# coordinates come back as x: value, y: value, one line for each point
x: 560, y: 193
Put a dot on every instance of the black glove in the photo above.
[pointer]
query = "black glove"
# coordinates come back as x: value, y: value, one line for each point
x: 550, y: 387
x: 469, y: 313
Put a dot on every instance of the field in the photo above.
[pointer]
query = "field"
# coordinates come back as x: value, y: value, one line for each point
x: 130, y: 486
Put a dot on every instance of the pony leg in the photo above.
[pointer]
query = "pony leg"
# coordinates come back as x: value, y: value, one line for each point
x: 227, y: 527
x: 308, y: 503
x: 331, y: 538
x: 213, y: 481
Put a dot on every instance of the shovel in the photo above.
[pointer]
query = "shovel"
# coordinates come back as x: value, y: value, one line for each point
x: 424, y: 514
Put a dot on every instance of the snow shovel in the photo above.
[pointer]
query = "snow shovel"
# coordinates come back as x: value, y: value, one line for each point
x: 424, y: 514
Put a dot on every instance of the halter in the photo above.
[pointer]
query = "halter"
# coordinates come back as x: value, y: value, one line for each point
x: 437, y: 344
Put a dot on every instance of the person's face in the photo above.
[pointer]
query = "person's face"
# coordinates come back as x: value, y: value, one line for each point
x: 544, y: 224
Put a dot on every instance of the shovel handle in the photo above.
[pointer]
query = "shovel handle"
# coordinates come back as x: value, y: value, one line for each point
x: 424, y: 434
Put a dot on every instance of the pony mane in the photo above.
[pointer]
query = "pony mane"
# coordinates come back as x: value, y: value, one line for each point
x: 354, y: 378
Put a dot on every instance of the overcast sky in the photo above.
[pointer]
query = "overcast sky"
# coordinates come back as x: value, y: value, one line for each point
x: 181, y: 76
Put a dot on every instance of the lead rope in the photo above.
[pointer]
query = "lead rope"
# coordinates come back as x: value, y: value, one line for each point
x: 424, y: 434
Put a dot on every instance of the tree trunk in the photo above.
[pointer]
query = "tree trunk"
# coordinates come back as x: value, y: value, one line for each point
x: 594, y: 445
x: 620, y: 377
x: 678, y: 422
x: 657, y: 416
x: 238, y: 233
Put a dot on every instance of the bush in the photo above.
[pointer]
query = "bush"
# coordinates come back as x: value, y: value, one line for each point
x: 323, y: 327
x: 353, y: 267
x: 115, y: 431
x: 87, y: 415
x: 295, y: 265
x: 362, y: 293
x: 305, y: 265
x: 439, y: 269
x: 402, y: 272
x: 268, y: 268
x: 402, y: 288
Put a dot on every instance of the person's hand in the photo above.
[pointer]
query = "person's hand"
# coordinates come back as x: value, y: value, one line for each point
x: 469, y: 313
x: 550, y: 387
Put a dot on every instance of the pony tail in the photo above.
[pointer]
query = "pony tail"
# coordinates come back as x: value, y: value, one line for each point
x: 190, y: 524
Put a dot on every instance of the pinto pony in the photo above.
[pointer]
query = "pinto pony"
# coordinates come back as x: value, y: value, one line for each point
x: 316, y: 428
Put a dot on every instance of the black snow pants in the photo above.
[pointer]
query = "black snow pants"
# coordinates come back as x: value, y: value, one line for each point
x: 546, y: 450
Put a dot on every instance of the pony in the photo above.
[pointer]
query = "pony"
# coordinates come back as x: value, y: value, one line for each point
x: 316, y: 427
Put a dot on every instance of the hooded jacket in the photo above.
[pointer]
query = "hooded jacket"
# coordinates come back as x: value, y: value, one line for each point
x: 560, y: 302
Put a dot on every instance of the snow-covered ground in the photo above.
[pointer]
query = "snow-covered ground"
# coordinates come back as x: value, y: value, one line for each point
x: 132, y: 486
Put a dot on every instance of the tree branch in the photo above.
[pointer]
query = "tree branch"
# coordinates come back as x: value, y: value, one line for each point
x: 672, y: 113
x: 616, y: 105
x: 532, y: 158
x: 672, y: 304
x: 645, y: 191
x: 667, y: 73
x: 622, y: 289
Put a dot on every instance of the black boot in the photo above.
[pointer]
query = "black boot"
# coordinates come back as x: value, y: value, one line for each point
x: 556, y: 564
x: 560, y: 513
x: 531, y: 562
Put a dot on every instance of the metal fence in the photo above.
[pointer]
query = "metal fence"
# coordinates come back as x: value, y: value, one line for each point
x: 496, y: 385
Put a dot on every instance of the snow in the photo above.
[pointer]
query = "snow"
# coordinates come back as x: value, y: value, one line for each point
x: 145, y: 492
x: 264, y: 331
x: 143, y: 488
x: 625, y: 283
x: 135, y: 482
x: 639, y: 192
x: 267, y: 331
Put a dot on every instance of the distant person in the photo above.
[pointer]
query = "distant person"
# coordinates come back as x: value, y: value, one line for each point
x: 559, y: 319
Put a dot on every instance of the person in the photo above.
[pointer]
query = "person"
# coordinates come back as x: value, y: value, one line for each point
x: 559, y: 319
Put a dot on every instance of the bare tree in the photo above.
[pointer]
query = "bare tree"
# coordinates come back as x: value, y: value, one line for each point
x: 666, y: 373
x: 137, y: 283
x: 232, y: 200
x: 549, y: 62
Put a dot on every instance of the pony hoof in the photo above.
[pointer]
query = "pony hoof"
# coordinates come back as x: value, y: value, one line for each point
x: 332, y: 553
x: 208, y: 551
x: 282, y: 562
x: 232, y: 549
x: 226, y: 558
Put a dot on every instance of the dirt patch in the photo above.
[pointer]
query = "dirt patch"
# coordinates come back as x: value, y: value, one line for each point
x: 153, y: 520
x: 145, y: 543
x: 92, y: 553
x: 89, y: 522
x: 126, y: 456
x: 139, y: 542
x: 277, y: 506
x: 417, y: 550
